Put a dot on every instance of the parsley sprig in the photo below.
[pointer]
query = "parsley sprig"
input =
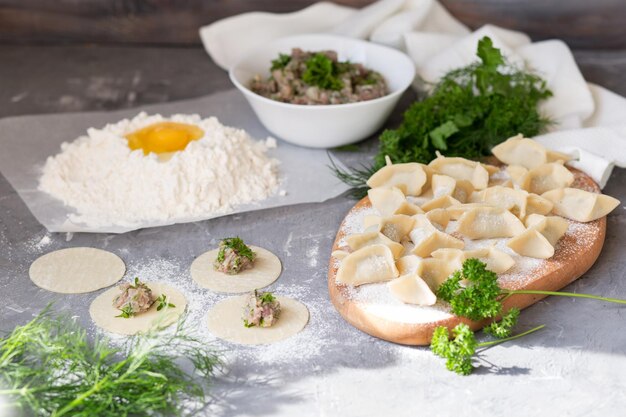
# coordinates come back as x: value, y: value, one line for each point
x: 470, y: 110
x: 163, y: 303
x: 473, y: 292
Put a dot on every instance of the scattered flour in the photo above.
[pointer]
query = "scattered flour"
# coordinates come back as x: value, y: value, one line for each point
x: 109, y: 184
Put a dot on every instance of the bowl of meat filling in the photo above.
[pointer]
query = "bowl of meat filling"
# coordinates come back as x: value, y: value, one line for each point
x: 323, y: 91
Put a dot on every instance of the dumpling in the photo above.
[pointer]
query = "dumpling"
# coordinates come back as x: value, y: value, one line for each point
x: 367, y: 265
x: 517, y: 173
x: 409, y: 178
x: 457, y: 211
x: 412, y: 289
x: 552, y: 227
x: 539, y: 239
x: 408, y: 264
x: 443, y: 185
x: 439, y: 218
x: 440, y: 202
x: 533, y: 244
x: 389, y: 201
x: 526, y: 152
x: 580, y: 205
x: 427, y: 238
x: 547, y: 177
x: 434, y: 271
x: 339, y: 254
x: 536, y: 204
x: 503, y: 197
x: 357, y: 241
x: 394, y: 227
x: 488, y: 223
x: 462, y: 169
x: 496, y: 260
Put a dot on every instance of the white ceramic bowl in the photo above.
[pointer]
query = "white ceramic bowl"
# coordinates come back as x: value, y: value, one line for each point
x: 325, y: 126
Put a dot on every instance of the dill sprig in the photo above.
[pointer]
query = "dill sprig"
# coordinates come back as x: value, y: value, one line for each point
x: 470, y: 110
x: 49, y: 368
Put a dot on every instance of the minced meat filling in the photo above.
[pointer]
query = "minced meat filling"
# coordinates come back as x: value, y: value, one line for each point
x: 135, y: 298
x: 261, y: 310
x: 313, y: 78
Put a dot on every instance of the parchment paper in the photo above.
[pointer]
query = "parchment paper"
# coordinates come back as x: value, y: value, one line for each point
x: 26, y: 142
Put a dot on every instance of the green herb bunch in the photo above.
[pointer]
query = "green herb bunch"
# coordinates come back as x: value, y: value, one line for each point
x: 470, y: 110
x: 236, y: 244
x: 473, y: 292
x: 49, y: 368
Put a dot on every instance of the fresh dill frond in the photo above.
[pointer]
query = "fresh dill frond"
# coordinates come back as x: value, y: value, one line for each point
x: 48, y: 367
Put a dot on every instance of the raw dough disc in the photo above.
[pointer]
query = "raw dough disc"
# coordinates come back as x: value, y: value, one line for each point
x: 76, y: 270
x: 103, y: 313
x: 224, y: 321
x: 266, y: 269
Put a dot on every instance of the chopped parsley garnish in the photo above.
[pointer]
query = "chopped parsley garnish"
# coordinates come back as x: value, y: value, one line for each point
x: 236, y: 244
x: 280, y: 62
x: 323, y: 72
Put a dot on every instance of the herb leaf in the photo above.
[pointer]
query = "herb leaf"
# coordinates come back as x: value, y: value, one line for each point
x: 321, y: 71
x: 280, y: 62
x: 504, y: 327
x: 163, y: 303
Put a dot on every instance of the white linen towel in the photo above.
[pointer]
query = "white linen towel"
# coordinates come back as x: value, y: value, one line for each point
x: 590, y: 120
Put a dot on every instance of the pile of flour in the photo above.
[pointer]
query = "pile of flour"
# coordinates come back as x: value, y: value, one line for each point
x: 108, y: 184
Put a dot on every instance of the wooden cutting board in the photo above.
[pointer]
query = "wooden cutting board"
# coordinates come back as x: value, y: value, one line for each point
x: 575, y: 253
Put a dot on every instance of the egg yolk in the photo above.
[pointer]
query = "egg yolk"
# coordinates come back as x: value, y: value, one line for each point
x: 164, y: 137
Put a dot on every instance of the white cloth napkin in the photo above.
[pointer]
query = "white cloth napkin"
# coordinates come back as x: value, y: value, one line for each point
x: 590, y: 121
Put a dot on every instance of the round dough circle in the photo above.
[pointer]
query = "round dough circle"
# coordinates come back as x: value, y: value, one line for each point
x: 103, y: 313
x: 224, y: 321
x: 266, y: 269
x: 76, y: 270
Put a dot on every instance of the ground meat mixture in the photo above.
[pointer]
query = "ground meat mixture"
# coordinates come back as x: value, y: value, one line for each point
x: 135, y: 298
x: 261, y: 309
x: 313, y: 78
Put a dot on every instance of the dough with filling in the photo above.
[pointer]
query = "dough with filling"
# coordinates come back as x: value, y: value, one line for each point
x: 104, y: 314
x: 580, y: 205
x: 409, y: 177
x: 412, y: 289
x: 265, y: 270
x: 224, y: 321
x: 489, y: 223
x: 369, y: 264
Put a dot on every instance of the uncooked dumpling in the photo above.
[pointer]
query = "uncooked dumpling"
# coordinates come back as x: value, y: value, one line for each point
x: 533, y: 244
x: 580, y: 205
x: 517, y: 173
x: 360, y: 240
x: 389, y: 201
x: 536, y: 204
x: 439, y: 218
x: 547, y: 177
x: 427, y: 238
x: 412, y: 289
x: 507, y: 198
x: 489, y: 223
x: 444, y: 185
x: 496, y: 260
x: 462, y: 169
x: 409, y: 178
x: 457, y: 211
x: 552, y: 227
x: 386, y: 200
x: 433, y: 271
x: 539, y: 239
x: 394, y: 227
x: 440, y: 202
x: 367, y: 265
x: 526, y: 152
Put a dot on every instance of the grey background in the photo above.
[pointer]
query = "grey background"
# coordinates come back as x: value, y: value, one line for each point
x: 575, y: 367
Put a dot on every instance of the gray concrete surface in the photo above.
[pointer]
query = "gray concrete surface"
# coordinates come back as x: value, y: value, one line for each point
x: 574, y: 367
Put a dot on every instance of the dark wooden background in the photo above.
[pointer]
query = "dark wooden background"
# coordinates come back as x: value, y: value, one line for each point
x: 583, y: 24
